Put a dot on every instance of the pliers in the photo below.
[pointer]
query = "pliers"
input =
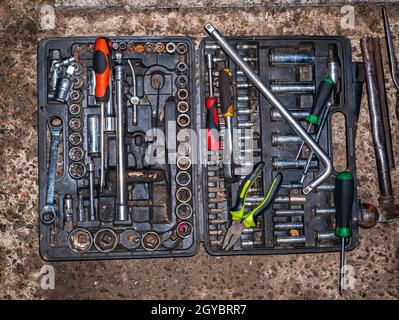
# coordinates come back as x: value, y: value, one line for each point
x: 242, y: 220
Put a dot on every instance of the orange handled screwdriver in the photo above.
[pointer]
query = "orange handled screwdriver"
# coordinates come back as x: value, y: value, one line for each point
x: 102, y: 69
x: 212, y: 118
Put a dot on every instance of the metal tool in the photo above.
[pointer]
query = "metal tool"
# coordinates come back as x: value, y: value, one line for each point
x: 134, y: 99
x: 318, y: 135
x: 81, y: 209
x: 90, y: 170
x: 102, y: 68
x: 150, y: 241
x: 48, y: 214
x: 227, y: 107
x: 292, y: 87
x: 393, y: 65
x: 170, y: 47
x: 80, y: 240
x: 181, y: 48
x: 93, y: 136
x: 66, y: 84
x: 68, y: 207
x: 76, y: 153
x: 240, y: 219
x: 343, y: 199
x: 122, y: 213
x: 380, y: 127
x: 255, y: 79
x: 297, y: 114
x: 212, y: 118
x: 105, y: 240
x: 323, y: 94
x: 77, y: 170
x: 294, y: 57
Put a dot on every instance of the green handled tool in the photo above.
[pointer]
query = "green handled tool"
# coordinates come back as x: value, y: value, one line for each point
x: 323, y: 94
x: 242, y: 220
x: 343, y: 199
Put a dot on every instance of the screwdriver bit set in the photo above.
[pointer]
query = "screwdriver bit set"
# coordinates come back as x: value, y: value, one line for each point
x: 121, y: 177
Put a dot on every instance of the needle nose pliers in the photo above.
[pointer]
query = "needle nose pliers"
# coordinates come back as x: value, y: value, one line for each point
x: 242, y: 220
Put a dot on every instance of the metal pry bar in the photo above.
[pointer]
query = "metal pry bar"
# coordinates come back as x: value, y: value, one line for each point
x: 255, y: 79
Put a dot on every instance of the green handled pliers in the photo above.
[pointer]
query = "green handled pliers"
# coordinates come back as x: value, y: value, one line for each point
x: 242, y: 220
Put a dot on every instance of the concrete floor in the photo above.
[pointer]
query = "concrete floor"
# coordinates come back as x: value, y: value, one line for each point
x: 376, y: 260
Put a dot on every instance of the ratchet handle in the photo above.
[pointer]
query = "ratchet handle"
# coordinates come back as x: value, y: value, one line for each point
x: 102, y: 68
x: 212, y: 124
x: 343, y: 199
x: 226, y: 98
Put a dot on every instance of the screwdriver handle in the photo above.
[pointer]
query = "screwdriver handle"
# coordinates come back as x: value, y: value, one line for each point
x: 323, y: 94
x: 212, y: 124
x: 343, y: 199
x: 226, y: 98
x: 102, y: 68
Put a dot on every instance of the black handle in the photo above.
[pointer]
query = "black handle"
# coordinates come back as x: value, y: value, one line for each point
x: 323, y: 94
x: 343, y: 199
x: 212, y: 124
x: 225, y: 92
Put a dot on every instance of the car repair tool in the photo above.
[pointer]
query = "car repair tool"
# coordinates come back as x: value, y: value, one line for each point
x: 227, y: 107
x: 294, y: 57
x: 255, y: 79
x: 93, y: 136
x: 380, y: 127
x: 292, y: 87
x: 102, y: 68
x: 343, y: 199
x: 48, y: 214
x: 66, y: 84
x: 80, y: 240
x: 393, y: 65
x: 105, y: 240
x: 122, y: 212
x: 323, y: 94
x: 134, y: 100
x: 90, y: 170
x: 240, y: 219
x: 212, y: 118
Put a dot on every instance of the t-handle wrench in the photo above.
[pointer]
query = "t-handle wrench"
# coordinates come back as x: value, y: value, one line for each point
x: 255, y: 79
x: 48, y: 215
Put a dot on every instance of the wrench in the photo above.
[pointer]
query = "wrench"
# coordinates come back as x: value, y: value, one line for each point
x: 48, y: 215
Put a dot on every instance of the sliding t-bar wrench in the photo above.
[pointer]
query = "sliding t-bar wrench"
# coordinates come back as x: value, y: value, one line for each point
x: 257, y: 82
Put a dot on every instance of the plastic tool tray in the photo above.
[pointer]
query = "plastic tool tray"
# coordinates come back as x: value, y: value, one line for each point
x: 178, y: 201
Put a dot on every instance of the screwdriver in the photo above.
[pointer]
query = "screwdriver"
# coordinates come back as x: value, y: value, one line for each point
x: 322, y: 96
x: 343, y: 199
x: 102, y: 69
x: 226, y: 104
x: 212, y: 118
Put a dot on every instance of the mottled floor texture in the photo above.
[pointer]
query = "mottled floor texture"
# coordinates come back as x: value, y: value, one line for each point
x: 376, y: 260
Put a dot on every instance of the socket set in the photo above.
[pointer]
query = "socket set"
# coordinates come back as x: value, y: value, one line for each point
x: 107, y: 108
x: 293, y: 68
x: 120, y: 176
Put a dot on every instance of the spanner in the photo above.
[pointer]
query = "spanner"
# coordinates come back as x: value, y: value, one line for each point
x: 48, y: 215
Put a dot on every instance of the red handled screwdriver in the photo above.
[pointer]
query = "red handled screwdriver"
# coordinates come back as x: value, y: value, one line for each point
x: 102, y: 69
x: 212, y: 118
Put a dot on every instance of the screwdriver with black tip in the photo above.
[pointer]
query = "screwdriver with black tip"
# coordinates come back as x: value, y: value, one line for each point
x: 102, y: 69
x: 212, y: 118
x: 343, y: 199
x: 323, y: 94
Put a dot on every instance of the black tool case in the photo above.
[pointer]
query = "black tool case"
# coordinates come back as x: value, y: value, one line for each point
x: 167, y: 219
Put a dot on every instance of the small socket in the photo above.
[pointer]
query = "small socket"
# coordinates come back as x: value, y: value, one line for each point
x: 184, y: 149
x: 77, y: 66
x: 148, y: 47
x: 105, y: 240
x: 75, y: 138
x: 170, y: 48
x: 122, y: 46
x: 182, y: 81
x: 184, y: 211
x: 77, y: 170
x: 76, y: 154
x: 76, y: 95
x: 183, y: 163
x: 75, y: 109
x: 182, y: 106
x: 183, y: 194
x: 77, y: 82
x: 181, y: 48
x: 80, y: 240
x: 183, y: 178
x: 130, y: 46
x: 181, y: 67
x: 115, y: 45
x: 182, y: 94
x: 75, y: 124
x: 184, y: 229
x: 159, y: 47
x: 183, y: 120
x: 150, y: 241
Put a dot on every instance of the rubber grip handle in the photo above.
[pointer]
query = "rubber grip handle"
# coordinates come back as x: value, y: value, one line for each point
x: 323, y: 94
x: 212, y: 124
x: 226, y: 97
x: 343, y: 199
x: 102, y: 68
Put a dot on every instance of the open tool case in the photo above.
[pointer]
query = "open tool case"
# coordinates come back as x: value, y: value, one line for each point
x: 174, y: 206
